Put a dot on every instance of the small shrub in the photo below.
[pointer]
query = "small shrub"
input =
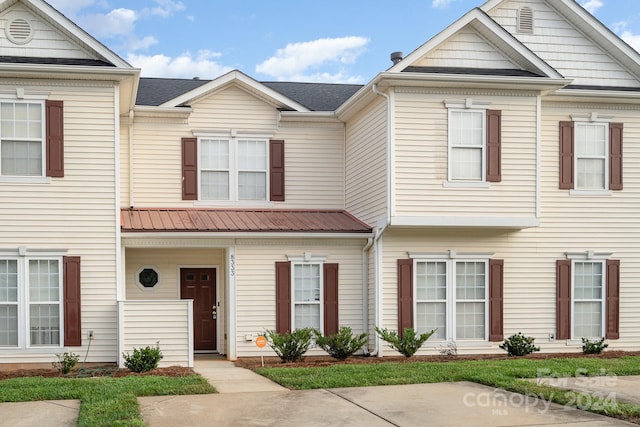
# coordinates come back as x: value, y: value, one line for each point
x: 66, y: 362
x: 408, y: 343
x: 519, y: 345
x: 342, y: 344
x: 593, y: 347
x: 449, y: 350
x: 143, y: 359
x: 291, y: 346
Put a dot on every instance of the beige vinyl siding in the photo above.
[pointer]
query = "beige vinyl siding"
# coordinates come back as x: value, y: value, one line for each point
x: 233, y: 108
x: 366, y: 163
x: 562, y: 46
x: 314, y: 158
x: 421, y: 158
x: 255, y: 284
x: 466, y: 48
x: 157, y: 162
x: 47, y: 42
x: 141, y: 328
x: 76, y: 213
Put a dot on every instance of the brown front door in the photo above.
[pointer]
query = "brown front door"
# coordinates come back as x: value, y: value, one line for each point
x: 199, y: 284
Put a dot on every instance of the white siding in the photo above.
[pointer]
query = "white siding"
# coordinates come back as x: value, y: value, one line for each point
x: 421, y: 158
x: 76, y: 213
x: 47, y: 42
x: 162, y: 323
x: 563, y: 46
x: 466, y: 48
x: 366, y: 163
x: 255, y: 284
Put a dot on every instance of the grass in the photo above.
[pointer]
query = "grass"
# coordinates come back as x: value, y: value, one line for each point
x: 505, y: 374
x: 104, y: 401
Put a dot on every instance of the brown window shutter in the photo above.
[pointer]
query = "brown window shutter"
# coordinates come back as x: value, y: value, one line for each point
x: 615, y: 156
x: 405, y: 294
x: 566, y: 155
x: 54, y: 138
x: 189, y: 169
x: 612, y: 331
x: 276, y: 170
x: 72, y: 306
x: 563, y: 299
x: 494, y: 141
x: 496, y: 320
x: 331, y: 321
x: 283, y: 297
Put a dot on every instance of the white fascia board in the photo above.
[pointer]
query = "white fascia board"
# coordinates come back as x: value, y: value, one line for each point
x: 75, y: 72
x: 159, y: 112
x: 242, y: 80
x: 479, y: 18
x: 62, y: 22
x: 583, y: 95
x: 473, y: 81
x: 248, y: 235
x: 516, y: 223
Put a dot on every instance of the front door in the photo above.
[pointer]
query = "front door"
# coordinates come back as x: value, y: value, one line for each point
x: 199, y: 284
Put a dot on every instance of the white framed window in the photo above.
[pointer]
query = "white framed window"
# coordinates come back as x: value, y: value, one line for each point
x: 591, y: 154
x: 588, y: 298
x: 233, y: 168
x: 452, y: 296
x: 467, y: 144
x: 22, y: 130
x: 307, y: 291
x: 31, y: 302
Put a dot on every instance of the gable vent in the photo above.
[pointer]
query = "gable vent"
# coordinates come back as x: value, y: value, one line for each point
x: 525, y: 20
x: 19, y: 31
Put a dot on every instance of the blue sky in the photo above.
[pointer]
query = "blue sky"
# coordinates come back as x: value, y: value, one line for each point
x: 346, y: 41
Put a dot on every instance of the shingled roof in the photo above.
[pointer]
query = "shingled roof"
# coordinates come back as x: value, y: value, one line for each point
x: 314, y: 96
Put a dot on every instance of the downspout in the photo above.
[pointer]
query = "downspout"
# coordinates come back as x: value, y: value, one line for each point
x: 131, y: 134
x: 538, y: 151
x: 377, y: 259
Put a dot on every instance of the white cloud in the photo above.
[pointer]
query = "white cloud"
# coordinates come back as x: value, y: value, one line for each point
x: 118, y: 22
x: 70, y: 6
x: 632, y: 40
x: 591, y: 5
x: 166, y: 8
x: 186, y: 65
x: 297, y: 61
x: 441, y: 4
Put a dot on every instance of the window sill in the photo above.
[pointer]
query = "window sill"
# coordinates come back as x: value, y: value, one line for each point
x: 591, y: 193
x: 465, y: 184
x: 229, y: 204
x: 25, y: 179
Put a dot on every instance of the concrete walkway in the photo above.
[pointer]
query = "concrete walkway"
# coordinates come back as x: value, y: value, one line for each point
x: 611, y: 387
x: 247, y: 399
x: 43, y: 413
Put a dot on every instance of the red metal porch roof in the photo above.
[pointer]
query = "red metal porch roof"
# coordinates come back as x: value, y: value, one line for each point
x: 240, y: 220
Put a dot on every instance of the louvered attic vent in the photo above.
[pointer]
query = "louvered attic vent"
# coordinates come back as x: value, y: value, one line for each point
x: 19, y: 31
x: 525, y: 20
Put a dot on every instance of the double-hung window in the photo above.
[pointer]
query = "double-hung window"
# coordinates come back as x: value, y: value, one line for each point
x: 467, y: 145
x: 307, y: 296
x: 588, y: 298
x: 30, y: 302
x: 592, y: 149
x: 22, y: 144
x: 233, y: 169
x: 451, y: 296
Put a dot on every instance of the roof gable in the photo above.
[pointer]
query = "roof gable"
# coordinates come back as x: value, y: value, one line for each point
x: 242, y: 81
x: 36, y: 31
x: 571, y: 40
x: 476, y: 28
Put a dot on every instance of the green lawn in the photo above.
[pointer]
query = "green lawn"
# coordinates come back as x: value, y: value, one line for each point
x: 104, y: 401
x: 505, y: 374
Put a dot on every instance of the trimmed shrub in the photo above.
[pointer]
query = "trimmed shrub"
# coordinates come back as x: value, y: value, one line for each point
x: 408, y: 343
x: 290, y: 346
x: 342, y: 344
x: 65, y: 362
x: 593, y: 347
x: 143, y: 359
x: 519, y: 345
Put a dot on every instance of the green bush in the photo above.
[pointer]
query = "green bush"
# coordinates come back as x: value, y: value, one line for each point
x: 519, y: 345
x: 143, y: 359
x: 593, y: 347
x: 66, y: 362
x: 291, y: 346
x: 342, y: 344
x: 408, y: 343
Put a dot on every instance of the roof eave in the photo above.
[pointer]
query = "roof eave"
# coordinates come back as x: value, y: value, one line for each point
x: 128, y: 234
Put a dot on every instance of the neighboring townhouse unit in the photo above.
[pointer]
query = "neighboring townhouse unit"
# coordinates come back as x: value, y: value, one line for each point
x: 485, y: 184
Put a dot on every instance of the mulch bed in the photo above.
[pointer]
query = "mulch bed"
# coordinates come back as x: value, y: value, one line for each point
x: 318, y: 361
x: 107, y: 371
